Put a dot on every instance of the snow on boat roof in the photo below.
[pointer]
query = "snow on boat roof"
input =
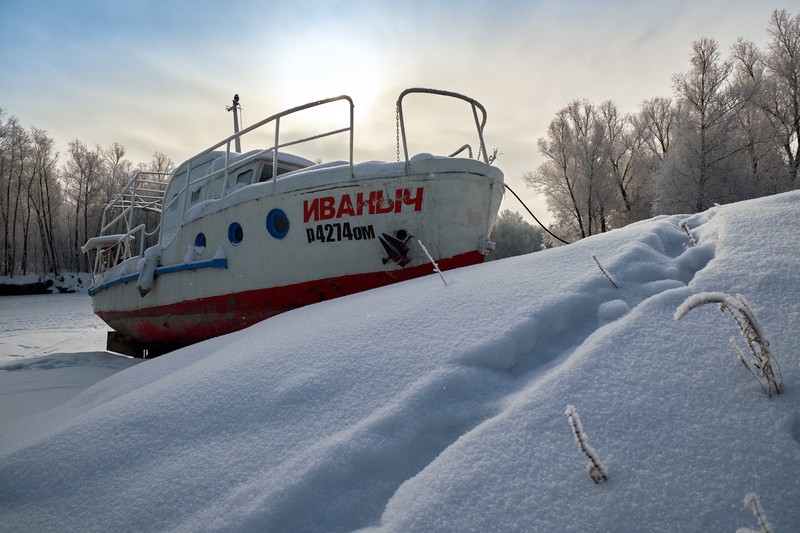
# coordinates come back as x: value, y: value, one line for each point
x: 335, y: 172
x: 217, y: 160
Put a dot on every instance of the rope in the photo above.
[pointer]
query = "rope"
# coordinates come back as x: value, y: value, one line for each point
x: 534, y: 216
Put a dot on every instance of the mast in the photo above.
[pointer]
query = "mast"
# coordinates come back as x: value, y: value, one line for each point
x: 235, y: 107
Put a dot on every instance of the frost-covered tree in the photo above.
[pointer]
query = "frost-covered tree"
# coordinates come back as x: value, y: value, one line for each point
x: 115, y: 172
x: 780, y: 98
x: 82, y: 175
x: 592, y: 151
x: 15, y: 153
x: 656, y: 124
x: 44, y: 199
x: 160, y: 162
x: 513, y: 236
x: 557, y: 177
x: 628, y: 165
x: 47, y: 211
x: 575, y: 177
x: 759, y: 136
x: 698, y: 172
x: 30, y: 197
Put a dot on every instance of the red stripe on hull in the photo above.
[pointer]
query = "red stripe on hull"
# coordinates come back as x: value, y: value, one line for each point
x: 192, y: 321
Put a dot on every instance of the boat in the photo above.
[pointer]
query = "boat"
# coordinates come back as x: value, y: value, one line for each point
x: 232, y: 237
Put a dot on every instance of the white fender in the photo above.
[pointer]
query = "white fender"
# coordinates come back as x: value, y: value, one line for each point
x: 148, y: 270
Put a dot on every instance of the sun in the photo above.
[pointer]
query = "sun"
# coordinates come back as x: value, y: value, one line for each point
x: 324, y: 66
x: 315, y: 66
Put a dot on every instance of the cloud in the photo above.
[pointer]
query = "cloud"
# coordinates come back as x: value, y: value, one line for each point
x: 157, y: 75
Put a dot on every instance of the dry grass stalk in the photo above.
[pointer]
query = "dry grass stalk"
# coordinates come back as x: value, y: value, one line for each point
x: 752, y: 501
x: 604, y: 271
x: 685, y: 227
x: 596, y: 470
x: 430, y: 258
x: 737, y: 308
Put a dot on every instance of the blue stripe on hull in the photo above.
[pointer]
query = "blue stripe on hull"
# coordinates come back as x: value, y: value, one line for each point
x: 160, y: 271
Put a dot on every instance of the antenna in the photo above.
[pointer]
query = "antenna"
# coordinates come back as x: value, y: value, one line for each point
x: 235, y: 107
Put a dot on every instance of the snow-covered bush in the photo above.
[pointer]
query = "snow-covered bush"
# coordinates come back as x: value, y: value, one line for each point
x: 738, y: 308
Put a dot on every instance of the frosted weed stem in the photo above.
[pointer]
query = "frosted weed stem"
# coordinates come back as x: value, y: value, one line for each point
x: 596, y: 470
x: 684, y: 226
x: 605, y: 272
x: 752, y: 501
x: 738, y: 309
x: 435, y: 266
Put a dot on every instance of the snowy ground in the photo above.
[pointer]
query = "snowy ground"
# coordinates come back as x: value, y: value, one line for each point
x: 425, y: 407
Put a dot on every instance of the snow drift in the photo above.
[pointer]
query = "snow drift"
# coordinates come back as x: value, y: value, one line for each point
x: 431, y: 407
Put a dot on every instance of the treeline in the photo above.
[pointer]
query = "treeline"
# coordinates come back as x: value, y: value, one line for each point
x: 730, y: 132
x: 48, y: 209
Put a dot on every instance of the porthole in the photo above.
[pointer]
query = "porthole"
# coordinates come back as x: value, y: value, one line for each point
x: 200, y: 243
x: 235, y: 233
x: 277, y: 223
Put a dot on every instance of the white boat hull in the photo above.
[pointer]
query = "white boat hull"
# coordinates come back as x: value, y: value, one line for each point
x: 245, y: 236
x: 333, y: 245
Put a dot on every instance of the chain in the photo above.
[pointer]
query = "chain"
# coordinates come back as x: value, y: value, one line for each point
x: 397, y: 126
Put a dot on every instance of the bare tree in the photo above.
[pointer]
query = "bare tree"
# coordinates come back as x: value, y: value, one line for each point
x: 557, y: 177
x: 759, y: 135
x: 656, y: 124
x: 629, y: 170
x: 45, y: 197
x: 160, y: 162
x: 14, y: 153
x: 575, y: 177
x: 82, y: 176
x: 593, y: 165
x: 698, y: 174
x: 781, y: 98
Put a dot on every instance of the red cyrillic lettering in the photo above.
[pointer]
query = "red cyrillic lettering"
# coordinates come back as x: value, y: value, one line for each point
x: 326, y: 209
x: 360, y: 203
x: 345, y: 207
x: 416, y: 200
x: 381, y: 206
x: 311, y: 211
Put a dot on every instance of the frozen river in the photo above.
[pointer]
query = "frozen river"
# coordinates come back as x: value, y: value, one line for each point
x: 50, y: 323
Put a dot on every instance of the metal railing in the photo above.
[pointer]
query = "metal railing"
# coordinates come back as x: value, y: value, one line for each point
x: 480, y: 122
x: 146, y: 190
x: 183, y: 194
x: 120, y: 230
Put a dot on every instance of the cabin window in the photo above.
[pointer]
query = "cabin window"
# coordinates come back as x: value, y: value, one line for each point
x: 266, y: 169
x: 195, y: 195
x: 245, y: 178
x: 266, y: 172
x: 235, y: 233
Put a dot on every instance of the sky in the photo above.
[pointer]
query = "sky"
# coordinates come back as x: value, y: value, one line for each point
x: 156, y: 75
x: 421, y: 406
